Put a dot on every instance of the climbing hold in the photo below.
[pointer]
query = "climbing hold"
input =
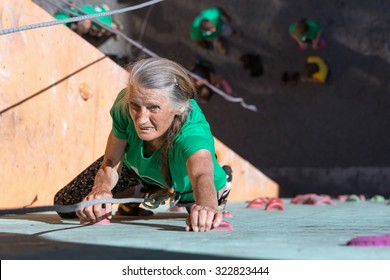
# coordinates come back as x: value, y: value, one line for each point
x: 379, y: 240
x: 274, y: 203
x: 312, y: 198
x: 227, y: 214
x: 176, y: 209
x: 342, y: 197
x: 85, y: 91
x: 353, y: 198
x: 224, y: 226
x: 377, y: 198
x: 257, y: 203
x: 103, y: 219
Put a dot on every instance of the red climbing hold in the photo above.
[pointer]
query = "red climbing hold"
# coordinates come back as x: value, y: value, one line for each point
x: 274, y: 203
x: 257, y: 203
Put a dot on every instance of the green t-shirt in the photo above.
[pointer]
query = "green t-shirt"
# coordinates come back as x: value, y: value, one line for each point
x: 212, y: 14
x: 194, y: 135
x: 88, y: 10
x: 311, y: 34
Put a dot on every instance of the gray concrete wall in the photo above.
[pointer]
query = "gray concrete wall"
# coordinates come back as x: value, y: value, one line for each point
x: 333, y: 181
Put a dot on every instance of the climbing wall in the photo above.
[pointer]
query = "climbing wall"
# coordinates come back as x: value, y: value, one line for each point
x: 48, y: 131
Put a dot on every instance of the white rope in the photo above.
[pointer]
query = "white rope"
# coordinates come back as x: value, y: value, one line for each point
x: 70, y: 208
x: 78, y: 18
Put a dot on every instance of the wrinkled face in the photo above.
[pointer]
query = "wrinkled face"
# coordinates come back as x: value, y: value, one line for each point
x: 152, y: 114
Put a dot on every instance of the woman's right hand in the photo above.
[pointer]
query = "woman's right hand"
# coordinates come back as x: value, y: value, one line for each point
x: 94, y: 213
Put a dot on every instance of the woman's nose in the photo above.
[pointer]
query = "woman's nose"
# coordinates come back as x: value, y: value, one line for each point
x: 142, y: 116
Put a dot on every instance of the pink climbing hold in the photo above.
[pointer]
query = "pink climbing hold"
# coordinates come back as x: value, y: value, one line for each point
x: 224, y: 226
x: 257, y: 203
x: 227, y: 214
x: 104, y: 220
x: 379, y: 240
x: 176, y: 209
x: 274, y: 203
x: 342, y: 197
x: 312, y: 198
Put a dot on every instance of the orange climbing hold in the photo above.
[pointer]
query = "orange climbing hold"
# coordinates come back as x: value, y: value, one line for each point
x: 85, y: 91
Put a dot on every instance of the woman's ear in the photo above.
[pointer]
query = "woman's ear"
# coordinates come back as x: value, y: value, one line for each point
x: 180, y: 110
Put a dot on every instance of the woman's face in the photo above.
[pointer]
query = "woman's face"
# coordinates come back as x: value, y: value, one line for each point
x: 152, y: 114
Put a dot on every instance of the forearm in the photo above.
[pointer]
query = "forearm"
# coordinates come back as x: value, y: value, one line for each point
x: 204, y: 191
x: 225, y: 15
x: 315, y: 42
x: 106, y: 178
x: 296, y: 39
x: 108, y: 174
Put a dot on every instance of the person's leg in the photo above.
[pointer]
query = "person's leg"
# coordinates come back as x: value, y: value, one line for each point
x: 78, y: 188
x: 223, y: 194
x: 81, y: 186
x: 227, y: 30
x: 221, y: 45
x: 132, y: 209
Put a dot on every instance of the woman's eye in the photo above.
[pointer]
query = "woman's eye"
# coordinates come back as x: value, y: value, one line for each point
x: 134, y: 106
x: 154, y: 108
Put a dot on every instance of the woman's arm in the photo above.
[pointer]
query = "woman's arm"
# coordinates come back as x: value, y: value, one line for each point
x: 317, y: 39
x: 225, y: 15
x: 204, y: 213
x: 105, y: 179
x: 301, y: 44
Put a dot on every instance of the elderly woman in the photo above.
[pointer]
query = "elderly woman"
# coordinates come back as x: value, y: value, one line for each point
x: 160, y: 141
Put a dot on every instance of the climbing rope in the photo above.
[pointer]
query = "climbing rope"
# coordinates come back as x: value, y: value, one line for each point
x: 77, y: 18
x: 70, y: 208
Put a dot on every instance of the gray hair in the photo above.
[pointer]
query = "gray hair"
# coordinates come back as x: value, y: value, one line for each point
x: 163, y: 74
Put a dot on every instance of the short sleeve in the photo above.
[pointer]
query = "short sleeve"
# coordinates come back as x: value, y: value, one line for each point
x: 193, y: 142
x: 291, y: 28
x: 120, y: 121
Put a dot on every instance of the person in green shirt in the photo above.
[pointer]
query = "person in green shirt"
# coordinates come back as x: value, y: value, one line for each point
x: 306, y: 33
x: 88, y: 26
x: 160, y: 144
x: 212, y: 26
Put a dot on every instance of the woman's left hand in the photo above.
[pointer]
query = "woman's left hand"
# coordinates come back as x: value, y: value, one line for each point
x: 203, y: 218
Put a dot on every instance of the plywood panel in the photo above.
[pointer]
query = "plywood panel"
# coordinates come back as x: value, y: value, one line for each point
x: 34, y: 59
x: 48, y: 140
